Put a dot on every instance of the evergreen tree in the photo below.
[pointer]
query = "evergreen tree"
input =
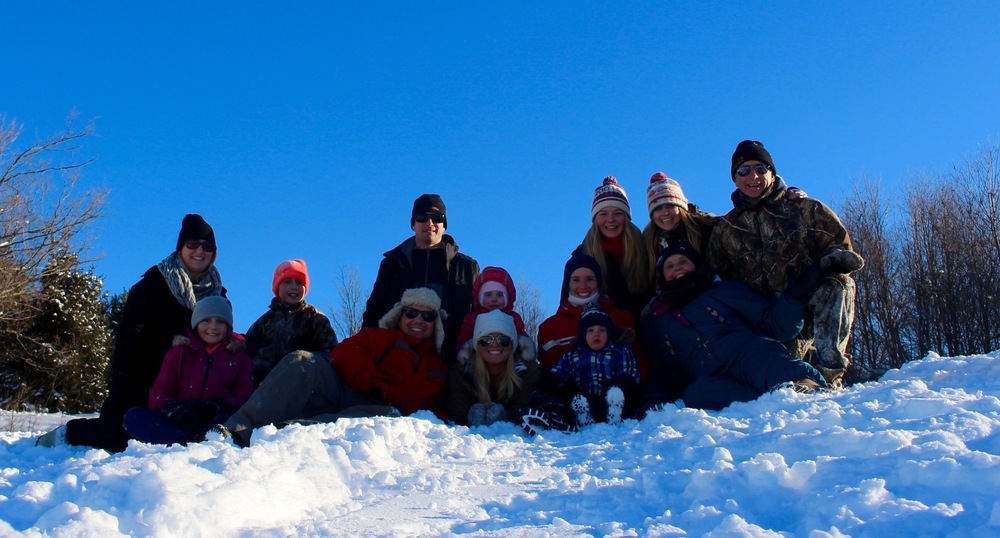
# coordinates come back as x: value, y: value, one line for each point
x: 114, y: 308
x: 68, y: 346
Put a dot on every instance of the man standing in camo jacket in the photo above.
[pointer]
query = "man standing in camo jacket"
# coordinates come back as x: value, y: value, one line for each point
x: 767, y: 240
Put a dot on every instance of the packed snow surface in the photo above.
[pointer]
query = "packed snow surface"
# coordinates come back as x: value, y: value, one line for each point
x: 916, y: 453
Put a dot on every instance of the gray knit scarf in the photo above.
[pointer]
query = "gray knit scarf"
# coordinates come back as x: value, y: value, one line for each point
x: 178, y: 280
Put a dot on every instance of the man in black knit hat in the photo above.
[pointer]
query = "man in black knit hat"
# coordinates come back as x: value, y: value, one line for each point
x: 769, y: 239
x: 429, y: 259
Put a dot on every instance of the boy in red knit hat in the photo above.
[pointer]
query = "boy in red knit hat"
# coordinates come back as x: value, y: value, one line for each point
x: 290, y: 324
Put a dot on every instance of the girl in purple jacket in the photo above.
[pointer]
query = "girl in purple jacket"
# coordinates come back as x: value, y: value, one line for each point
x: 200, y: 384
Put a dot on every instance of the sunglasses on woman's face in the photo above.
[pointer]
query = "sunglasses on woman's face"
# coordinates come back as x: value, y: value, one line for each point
x: 193, y: 244
x: 744, y: 170
x: 428, y: 316
x: 503, y: 340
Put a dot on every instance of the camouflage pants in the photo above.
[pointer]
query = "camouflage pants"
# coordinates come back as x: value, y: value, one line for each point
x: 823, y: 340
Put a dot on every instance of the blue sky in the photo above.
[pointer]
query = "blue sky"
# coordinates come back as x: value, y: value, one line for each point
x: 305, y: 130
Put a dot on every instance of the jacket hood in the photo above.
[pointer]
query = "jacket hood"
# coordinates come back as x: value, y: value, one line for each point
x: 495, y: 274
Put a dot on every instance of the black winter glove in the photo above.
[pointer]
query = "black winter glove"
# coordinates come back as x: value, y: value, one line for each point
x: 225, y: 407
x: 260, y: 370
x: 182, y: 416
x: 802, y: 288
x: 377, y: 393
x: 842, y: 262
x: 206, y: 409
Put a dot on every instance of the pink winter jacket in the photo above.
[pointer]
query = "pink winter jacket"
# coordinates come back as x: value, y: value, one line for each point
x: 189, y: 372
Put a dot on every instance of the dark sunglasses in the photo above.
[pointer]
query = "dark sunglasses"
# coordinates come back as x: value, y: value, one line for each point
x: 193, y: 244
x: 744, y: 169
x: 436, y: 218
x: 503, y: 340
x: 428, y: 316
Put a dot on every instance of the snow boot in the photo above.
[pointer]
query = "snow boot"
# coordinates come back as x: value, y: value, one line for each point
x: 616, y: 404
x: 56, y: 437
x: 581, y: 407
x: 222, y: 434
x: 808, y: 386
x: 537, y: 420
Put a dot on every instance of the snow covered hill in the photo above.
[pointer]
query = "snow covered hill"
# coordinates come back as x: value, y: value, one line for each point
x: 914, y: 454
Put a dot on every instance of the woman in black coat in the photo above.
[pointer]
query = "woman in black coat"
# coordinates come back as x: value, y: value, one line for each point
x: 158, y: 308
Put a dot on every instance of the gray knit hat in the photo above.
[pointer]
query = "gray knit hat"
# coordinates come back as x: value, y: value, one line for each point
x: 215, y: 306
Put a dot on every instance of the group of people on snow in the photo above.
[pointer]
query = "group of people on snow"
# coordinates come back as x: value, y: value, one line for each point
x: 697, y: 308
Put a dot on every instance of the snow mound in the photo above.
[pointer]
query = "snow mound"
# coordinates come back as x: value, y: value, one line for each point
x: 915, y: 453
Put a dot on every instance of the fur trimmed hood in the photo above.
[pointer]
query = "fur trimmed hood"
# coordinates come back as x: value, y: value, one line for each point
x: 424, y: 297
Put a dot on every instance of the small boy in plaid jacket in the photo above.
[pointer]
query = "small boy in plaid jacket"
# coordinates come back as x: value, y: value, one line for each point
x: 599, y: 377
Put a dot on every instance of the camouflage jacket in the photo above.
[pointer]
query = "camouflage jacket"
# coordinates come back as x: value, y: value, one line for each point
x: 768, y: 241
x: 285, y: 328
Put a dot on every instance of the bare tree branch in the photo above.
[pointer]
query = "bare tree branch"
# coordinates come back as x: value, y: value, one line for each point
x: 529, y: 306
x: 346, y: 316
x: 42, y: 210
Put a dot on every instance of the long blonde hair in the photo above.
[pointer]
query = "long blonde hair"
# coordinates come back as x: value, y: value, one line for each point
x: 651, y: 236
x: 635, y: 266
x: 508, y: 386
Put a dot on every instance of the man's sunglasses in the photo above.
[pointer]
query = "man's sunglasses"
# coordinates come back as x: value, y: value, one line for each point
x: 744, y: 169
x: 426, y: 315
x: 207, y: 246
x: 436, y: 218
x: 503, y: 340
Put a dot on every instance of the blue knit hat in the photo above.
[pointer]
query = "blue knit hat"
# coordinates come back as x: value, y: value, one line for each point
x: 678, y: 247
x: 576, y: 262
x: 593, y: 315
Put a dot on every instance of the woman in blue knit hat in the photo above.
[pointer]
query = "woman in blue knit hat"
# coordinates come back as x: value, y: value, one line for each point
x: 581, y: 286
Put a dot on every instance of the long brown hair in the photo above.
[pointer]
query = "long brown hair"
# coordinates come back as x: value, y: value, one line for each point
x: 651, y: 236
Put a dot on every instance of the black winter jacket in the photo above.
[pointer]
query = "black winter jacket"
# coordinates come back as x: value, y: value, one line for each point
x: 150, y: 320
x: 397, y: 273
x: 285, y: 328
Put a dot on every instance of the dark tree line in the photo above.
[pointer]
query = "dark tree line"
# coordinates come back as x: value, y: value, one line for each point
x: 932, y: 275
